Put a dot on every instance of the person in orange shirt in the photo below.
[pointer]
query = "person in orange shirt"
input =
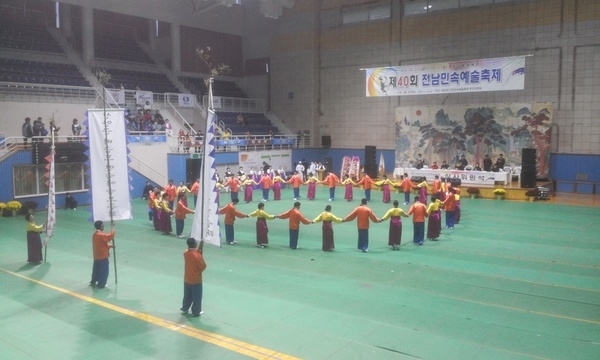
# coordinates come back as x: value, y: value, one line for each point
x: 194, y: 265
x: 171, y: 191
x: 266, y: 182
x: 419, y: 212
x: 296, y: 218
x: 367, y: 182
x: 332, y: 180
x: 295, y: 180
x: 180, y: 211
x: 234, y: 186
x: 362, y: 214
x: 195, y: 190
x: 101, y: 247
x: 450, y: 207
x: 230, y: 213
x: 437, y: 185
x: 406, y: 185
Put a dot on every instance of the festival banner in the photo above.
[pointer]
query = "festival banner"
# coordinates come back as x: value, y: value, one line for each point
x: 275, y: 158
x: 186, y: 100
x: 142, y: 96
x: 115, y: 97
x: 205, y: 226
x: 51, y: 220
x: 496, y: 74
x: 109, y: 170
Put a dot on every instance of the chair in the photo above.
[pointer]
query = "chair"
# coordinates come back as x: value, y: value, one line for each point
x: 516, y: 172
x: 507, y: 169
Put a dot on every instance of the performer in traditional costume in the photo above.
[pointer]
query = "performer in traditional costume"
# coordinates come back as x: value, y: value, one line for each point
x: 312, y: 182
x: 395, y: 215
x: 34, y: 241
x: 385, y: 187
x: 278, y: 183
x: 328, y: 219
x: 434, y: 224
x: 348, y: 184
x: 262, y: 230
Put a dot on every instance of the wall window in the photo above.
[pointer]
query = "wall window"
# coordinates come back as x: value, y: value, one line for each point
x: 363, y: 15
x: 31, y: 180
x: 427, y: 6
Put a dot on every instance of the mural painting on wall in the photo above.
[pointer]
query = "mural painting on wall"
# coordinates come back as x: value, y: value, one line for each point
x: 447, y: 132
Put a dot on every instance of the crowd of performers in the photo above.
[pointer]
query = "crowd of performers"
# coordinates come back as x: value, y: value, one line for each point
x: 172, y: 202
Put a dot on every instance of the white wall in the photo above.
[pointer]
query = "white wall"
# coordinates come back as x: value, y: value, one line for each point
x: 13, y: 115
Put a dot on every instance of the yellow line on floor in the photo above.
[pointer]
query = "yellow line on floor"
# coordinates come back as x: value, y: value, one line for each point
x: 237, y: 346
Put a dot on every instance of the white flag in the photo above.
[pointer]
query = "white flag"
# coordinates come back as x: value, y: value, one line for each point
x: 109, y: 165
x: 51, y: 220
x: 381, y: 165
x: 206, y: 220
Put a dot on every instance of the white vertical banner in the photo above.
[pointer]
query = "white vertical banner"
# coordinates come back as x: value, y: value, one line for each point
x: 51, y: 220
x: 109, y: 171
x: 216, y: 103
x: 206, y: 220
x: 186, y: 100
x: 381, y: 164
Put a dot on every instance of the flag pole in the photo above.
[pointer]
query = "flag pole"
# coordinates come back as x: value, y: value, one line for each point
x: 109, y: 178
x: 51, y: 196
x: 203, y: 212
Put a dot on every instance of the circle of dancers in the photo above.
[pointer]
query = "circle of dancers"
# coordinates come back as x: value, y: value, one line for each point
x: 426, y: 216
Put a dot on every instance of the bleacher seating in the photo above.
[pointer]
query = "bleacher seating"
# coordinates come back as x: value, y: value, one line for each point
x: 258, y: 124
x: 41, y: 73
x: 131, y: 80
x: 120, y: 49
x: 26, y: 30
x: 220, y: 87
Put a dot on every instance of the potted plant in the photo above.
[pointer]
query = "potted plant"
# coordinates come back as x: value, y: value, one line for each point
x: 532, y: 194
x: 473, y: 191
x: 499, y: 193
x: 13, y: 206
x: 2, y: 208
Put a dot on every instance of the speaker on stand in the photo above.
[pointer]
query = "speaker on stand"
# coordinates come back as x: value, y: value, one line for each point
x: 328, y: 163
x: 370, y: 161
x: 528, y: 168
x: 192, y: 169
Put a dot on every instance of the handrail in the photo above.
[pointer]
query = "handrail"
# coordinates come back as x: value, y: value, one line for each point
x: 144, y: 168
x: 177, y: 113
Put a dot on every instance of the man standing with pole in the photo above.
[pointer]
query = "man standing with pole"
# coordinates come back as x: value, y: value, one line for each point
x: 101, y: 248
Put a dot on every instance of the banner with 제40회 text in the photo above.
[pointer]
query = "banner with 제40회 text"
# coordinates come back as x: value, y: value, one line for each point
x: 109, y: 168
x: 478, y: 75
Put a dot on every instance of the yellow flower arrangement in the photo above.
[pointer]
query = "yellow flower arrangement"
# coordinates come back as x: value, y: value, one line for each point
x: 13, y: 205
x: 2, y: 206
x: 499, y: 191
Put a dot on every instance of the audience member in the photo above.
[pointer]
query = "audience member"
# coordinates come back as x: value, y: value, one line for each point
x: 487, y: 163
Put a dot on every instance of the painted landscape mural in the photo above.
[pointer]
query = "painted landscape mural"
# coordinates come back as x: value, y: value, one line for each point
x: 447, y: 132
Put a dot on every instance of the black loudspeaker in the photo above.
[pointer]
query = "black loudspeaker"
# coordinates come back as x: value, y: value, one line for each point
x: 370, y: 161
x: 192, y: 170
x: 528, y: 178
x: 326, y: 141
x: 69, y: 152
x: 328, y: 163
x: 528, y: 159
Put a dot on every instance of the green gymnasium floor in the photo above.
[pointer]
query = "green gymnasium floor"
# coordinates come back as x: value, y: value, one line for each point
x: 513, y: 280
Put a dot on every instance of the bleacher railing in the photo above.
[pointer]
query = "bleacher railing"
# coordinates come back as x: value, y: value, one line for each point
x: 231, y: 104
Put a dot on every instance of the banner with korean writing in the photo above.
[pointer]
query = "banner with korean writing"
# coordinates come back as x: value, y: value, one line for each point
x: 497, y: 74
x: 108, y: 165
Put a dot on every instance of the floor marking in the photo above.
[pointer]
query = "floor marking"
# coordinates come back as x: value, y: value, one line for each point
x: 244, y: 348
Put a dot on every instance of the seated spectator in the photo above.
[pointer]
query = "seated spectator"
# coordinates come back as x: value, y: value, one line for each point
x: 147, y: 105
x: 477, y: 167
x: 158, y: 116
x: 435, y: 166
x: 240, y: 119
x: 462, y: 162
x: 70, y: 202
x: 444, y: 166
x: 420, y: 162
